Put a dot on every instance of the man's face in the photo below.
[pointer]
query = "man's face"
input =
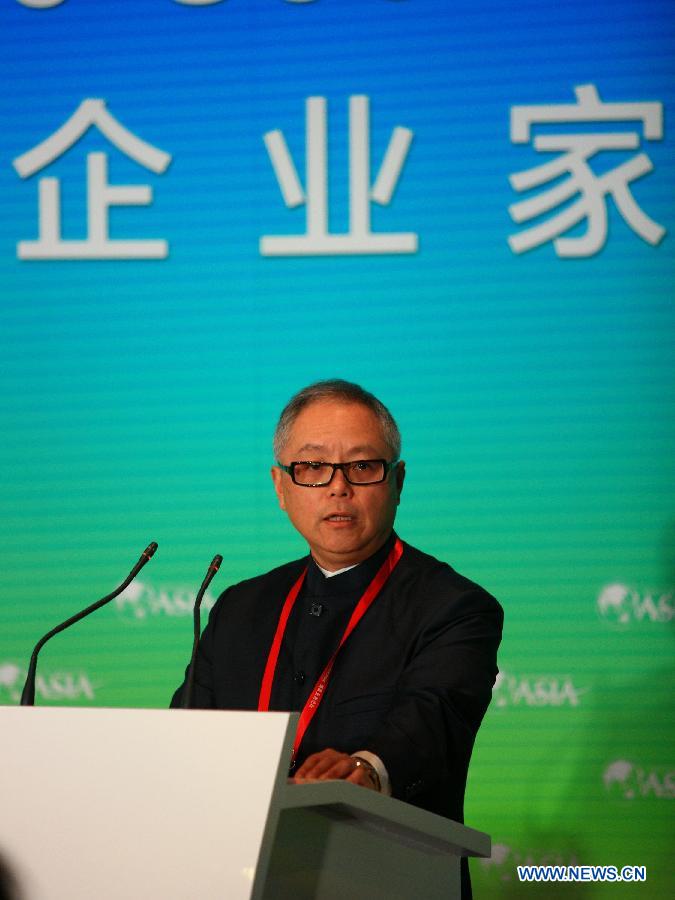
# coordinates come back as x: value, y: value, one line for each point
x: 342, y: 523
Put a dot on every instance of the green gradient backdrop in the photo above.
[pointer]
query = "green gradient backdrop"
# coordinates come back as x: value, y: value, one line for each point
x: 535, y: 394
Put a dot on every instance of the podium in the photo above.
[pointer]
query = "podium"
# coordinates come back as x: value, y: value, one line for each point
x: 196, y: 804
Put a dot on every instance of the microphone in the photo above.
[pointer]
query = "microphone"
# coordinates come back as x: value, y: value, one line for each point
x: 186, y: 699
x: 28, y: 695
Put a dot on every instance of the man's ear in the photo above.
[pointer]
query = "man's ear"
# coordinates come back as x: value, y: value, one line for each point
x: 400, y: 478
x: 277, y: 476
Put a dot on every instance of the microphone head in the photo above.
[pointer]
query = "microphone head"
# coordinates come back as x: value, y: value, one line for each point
x: 149, y: 551
x: 216, y: 562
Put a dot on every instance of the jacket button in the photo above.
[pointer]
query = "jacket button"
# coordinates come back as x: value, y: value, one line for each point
x: 299, y: 677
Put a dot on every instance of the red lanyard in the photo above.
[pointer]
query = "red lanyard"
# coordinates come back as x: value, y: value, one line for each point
x: 319, y: 689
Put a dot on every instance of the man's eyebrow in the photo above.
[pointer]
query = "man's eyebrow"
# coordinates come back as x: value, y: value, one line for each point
x: 314, y: 447
x: 351, y: 453
x: 362, y: 448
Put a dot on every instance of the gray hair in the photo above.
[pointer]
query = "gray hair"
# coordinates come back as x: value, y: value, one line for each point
x: 335, y: 389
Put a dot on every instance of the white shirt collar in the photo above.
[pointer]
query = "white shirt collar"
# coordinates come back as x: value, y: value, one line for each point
x: 338, y: 572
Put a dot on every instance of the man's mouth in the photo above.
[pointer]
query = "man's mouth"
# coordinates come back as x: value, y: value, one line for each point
x: 338, y: 517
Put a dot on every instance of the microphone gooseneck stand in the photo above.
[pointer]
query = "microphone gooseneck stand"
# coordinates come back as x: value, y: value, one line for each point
x: 28, y: 695
x: 188, y: 691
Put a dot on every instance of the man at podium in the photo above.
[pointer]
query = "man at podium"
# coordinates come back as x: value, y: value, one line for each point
x: 388, y: 654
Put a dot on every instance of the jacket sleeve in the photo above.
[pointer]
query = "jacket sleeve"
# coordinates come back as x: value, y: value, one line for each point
x: 427, y: 736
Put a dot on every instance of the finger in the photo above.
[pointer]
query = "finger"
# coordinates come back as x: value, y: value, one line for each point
x: 309, y: 764
x: 315, y: 764
x: 341, y: 768
x: 318, y: 763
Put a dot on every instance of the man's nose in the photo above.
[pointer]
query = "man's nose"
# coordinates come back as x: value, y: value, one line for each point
x: 339, y: 484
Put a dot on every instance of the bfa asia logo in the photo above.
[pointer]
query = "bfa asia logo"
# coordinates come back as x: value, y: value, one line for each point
x: 143, y: 601
x: 619, y: 604
x: 536, y: 690
x: 55, y: 686
x: 502, y: 862
x: 627, y: 781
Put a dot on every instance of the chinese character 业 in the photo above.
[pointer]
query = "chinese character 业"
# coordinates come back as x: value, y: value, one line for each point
x: 101, y: 195
x: 359, y: 239
x: 575, y: 150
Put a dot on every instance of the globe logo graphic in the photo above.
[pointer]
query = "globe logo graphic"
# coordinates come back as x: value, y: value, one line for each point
x: 617, y: 775
x: 613, y: 603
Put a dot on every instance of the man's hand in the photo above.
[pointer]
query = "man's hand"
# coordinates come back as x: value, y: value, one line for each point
x: 329, y: 764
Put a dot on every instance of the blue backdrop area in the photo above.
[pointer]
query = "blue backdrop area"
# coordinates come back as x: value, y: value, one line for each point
x: 534, y: 390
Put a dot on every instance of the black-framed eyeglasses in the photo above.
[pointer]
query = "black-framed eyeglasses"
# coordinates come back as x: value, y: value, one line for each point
x: 307, y: 473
